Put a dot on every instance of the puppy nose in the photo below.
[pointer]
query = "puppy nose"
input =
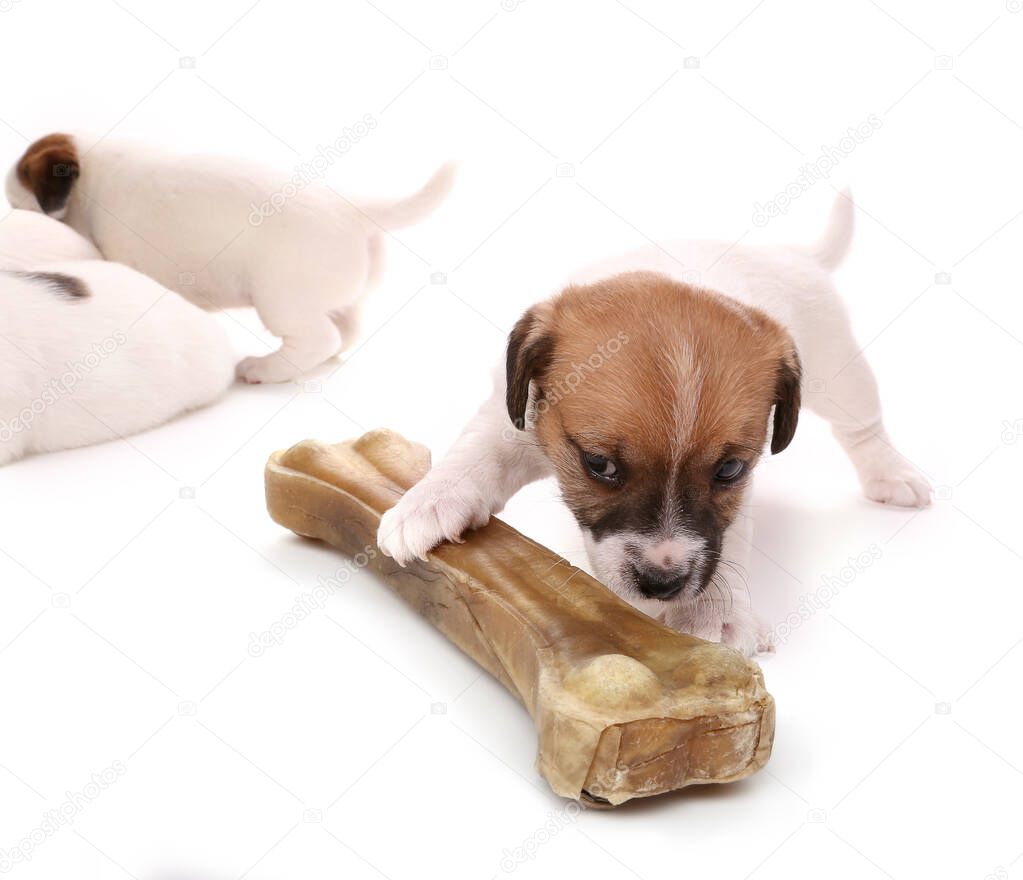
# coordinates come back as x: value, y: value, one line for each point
x: 666, y: 556
x: 660, y: 584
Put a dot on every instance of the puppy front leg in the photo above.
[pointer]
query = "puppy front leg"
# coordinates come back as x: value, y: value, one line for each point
x: 741, y: 628
x: 489, y: 462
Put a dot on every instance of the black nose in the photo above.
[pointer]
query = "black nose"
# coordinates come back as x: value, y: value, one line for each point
x: 659, y: 585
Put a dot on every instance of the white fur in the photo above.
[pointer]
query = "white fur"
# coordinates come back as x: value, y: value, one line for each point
x: 194, y: 224
x: 490, y: 461
x: 28, y: 239
x: 80, y: 370
x: 668, y: 553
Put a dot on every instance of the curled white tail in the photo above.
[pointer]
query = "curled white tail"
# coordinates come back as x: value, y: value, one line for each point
x: 833, y: 245
x: 416, y: 207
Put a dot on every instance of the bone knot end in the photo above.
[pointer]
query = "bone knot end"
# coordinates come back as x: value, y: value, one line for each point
x: 613, y: 680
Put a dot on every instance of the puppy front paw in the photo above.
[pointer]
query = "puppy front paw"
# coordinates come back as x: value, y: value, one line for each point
x: 748, y: 635
x: 695, y: 620
x: 430, y: 512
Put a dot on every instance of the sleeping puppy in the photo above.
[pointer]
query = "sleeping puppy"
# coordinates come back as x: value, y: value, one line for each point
x: 28, y: 239
x: 93, y: 351
x: 650, y: 399
x: 226, y: 233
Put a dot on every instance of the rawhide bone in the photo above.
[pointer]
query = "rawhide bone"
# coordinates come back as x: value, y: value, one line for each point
x: 624, y: 706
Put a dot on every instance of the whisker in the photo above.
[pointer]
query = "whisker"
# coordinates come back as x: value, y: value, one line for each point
x: 741, y: 575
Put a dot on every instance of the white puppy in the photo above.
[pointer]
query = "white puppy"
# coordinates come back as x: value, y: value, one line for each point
x: 92, y: 351
x: 28, y: 239
x: 651, y: 399
x: 226, y: 233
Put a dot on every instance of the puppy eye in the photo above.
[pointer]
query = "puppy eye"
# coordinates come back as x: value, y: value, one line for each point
x: 601, y: 467
x: 729, y: 470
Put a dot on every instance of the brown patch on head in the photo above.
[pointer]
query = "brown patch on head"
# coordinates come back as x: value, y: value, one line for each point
x: 665, y: 380
x: 66, y: 285
x: 48, y: 170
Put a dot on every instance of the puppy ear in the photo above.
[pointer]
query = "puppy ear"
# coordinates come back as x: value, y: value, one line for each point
x: 530, y: 348
x: 48, y: 170
x: 787, y: 399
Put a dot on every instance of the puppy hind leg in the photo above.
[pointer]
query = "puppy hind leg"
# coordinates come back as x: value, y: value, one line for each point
x: 349, y: 324
x: 375, y: 253
x: 348, y: 319
x: 849, y: 400
x: 296, y: 301
x: 305, y: 344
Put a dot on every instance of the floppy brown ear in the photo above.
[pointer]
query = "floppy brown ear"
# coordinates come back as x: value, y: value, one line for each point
x: 787, y: 398
x: 49, y: 169
x: 530, y: 347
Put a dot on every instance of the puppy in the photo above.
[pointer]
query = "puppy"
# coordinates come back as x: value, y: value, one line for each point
x: 651, y: 399
x: 93, y: 351
x: 226, y: 233
x: 28, y: 239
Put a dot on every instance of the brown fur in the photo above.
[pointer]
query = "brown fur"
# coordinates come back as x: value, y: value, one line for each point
x: 691, y: 384
x: 66, y: 285
x: 48, y: 169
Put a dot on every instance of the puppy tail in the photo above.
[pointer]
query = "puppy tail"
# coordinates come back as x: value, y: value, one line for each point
x: 832, y: 247
x: 416, y: 207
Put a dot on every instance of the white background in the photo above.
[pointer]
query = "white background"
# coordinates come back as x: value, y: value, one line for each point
x: 363, y: 744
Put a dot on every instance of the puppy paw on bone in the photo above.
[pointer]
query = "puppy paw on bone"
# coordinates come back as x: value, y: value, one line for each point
x: 731, y: 623
x: 431, y: 512
x: 747, y: 635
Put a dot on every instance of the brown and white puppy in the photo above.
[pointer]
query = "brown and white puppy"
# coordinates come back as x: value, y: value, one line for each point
x: 28, y: 240
x: 48, y: 169
x: 650, y: 398
x: 226, y: 233
x: 652, y: 457
x: 94, y: 351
